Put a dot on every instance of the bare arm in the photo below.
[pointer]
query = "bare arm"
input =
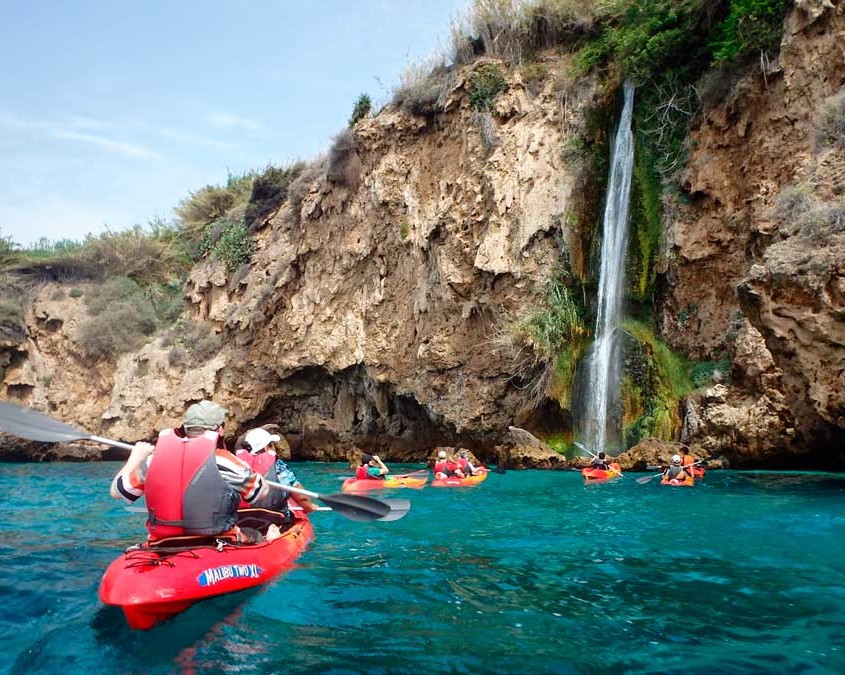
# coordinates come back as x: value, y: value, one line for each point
x: 137, y: 457
x: 383, y: 470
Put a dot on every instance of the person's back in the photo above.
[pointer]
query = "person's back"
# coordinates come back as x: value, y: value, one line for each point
x: 675, y: 471
x: 185, y: 492
x: 192, y: 483
x: 600, y: 462
x: 465, y: 465
x: 687, y: 461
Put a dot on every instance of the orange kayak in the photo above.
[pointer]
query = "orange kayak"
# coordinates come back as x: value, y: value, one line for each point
x: 411, y: 480
x: 592, y: 475
x: 686, y: 481
x: 453, y: 481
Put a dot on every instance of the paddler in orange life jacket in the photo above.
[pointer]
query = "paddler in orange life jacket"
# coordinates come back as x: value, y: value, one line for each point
x: 193, y: 485
x: 687, y: 461
x: 371, y: 468
x: 259, y: 449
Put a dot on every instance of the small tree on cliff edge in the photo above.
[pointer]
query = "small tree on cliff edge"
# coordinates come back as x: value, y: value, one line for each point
x: 362, y: 109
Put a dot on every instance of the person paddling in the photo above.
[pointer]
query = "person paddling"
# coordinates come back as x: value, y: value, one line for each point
x: 446, y: 467
x: 688, y: 462
x: 467, y: 467
x: 675, y: 472
x: 371, y: 468
x: 192, y: 483
x: 258, y: 448
x: 600, y: 462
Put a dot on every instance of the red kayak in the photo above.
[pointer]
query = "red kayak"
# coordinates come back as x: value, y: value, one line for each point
x: 154, y: 583
x: 592, y: 475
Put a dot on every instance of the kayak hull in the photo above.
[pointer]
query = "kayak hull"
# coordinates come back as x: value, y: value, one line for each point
x: 152, y: 585
x: 410, y: 481
x: 596, y: 475
x: 467, y: 481
x: 686, y: 482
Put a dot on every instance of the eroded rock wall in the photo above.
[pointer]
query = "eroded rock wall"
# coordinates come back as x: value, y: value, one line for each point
x: 731, y: 263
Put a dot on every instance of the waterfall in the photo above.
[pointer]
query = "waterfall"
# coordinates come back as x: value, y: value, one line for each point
x: 604, y: 357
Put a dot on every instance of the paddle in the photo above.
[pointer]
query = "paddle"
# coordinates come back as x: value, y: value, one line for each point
x: 36, y: 426
x: 398, y: 509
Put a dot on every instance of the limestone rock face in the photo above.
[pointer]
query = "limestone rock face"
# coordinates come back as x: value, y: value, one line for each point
x: 366, y: 316
x: 731, y: 260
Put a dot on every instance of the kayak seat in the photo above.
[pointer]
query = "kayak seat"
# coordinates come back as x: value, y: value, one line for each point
x: 260, y: 519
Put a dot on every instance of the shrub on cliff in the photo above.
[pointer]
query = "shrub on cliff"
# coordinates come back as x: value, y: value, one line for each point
x: 269, y: 192
x: 830, y: 127
x: 362, y: 109
x: 343, y: 166
x: 229, y: 242
x: 121, y: 319
x: 485, y: 83
x: 513, y: 31
x: 751, y: 27
x: 191, y: 343
x: 422, y: 89
x: 213, y: 202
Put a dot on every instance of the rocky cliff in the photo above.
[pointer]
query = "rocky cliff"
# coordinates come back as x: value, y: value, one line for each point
x: 378, y: 311
x: 763, y: 277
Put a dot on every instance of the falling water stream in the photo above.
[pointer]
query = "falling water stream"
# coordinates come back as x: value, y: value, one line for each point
x: 604, y: 360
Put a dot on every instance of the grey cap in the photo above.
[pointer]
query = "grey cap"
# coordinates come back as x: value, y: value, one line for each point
x: 204, y: 415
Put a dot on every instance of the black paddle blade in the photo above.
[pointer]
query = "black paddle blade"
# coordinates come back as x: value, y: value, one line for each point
x: 356, y: 507
x: 36, y: 426
x: 398, y: 509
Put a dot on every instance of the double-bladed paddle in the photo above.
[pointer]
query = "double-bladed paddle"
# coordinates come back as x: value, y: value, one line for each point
x: 37, y: 426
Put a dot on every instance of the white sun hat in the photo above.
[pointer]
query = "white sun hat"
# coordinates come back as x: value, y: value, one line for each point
x: 258, y: 439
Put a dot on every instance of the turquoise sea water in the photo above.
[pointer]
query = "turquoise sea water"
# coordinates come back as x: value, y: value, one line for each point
x: 529, y: 572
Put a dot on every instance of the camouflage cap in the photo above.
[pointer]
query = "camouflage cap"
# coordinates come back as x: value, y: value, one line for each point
x: 204, y: 415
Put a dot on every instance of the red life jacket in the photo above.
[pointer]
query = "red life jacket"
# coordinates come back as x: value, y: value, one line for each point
x: 463, y: 462
x: 184, y: 489
x: 440, y: 466
x: 361, y: 473
x: 264, y: 464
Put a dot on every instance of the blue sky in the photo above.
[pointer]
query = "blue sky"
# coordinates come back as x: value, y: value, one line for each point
x: 112, y: 112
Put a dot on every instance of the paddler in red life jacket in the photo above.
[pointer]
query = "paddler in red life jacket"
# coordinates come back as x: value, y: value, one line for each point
x: 446, y: 467
x: 371, y: 468
x: 465, y: 465
x: 259, y: 449
x: 192, y: 483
